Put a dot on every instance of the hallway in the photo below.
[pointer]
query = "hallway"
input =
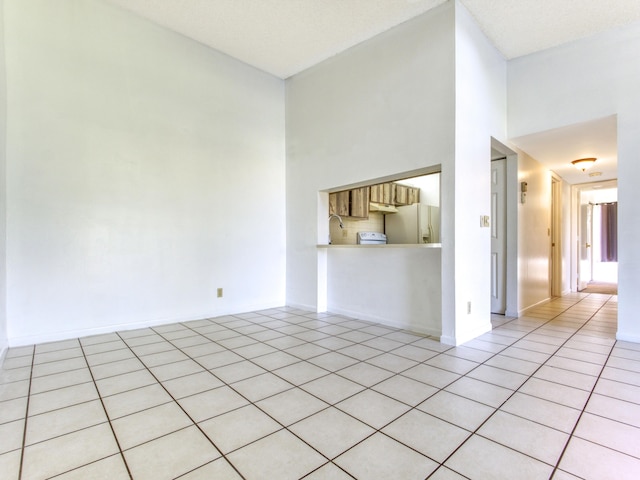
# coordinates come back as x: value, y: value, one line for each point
x: 289, y: 394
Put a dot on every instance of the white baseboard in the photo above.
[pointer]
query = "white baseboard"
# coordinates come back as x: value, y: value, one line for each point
x: 531, y: 307
x: 623, y: 337
x: 88, y: 332
x: 455, y: 341
x: 388, y: 322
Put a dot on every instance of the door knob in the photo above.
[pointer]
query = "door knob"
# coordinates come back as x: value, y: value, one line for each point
x: 587, y: 245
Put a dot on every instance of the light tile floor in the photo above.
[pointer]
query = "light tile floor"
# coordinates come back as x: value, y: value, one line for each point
x: 288, y: 394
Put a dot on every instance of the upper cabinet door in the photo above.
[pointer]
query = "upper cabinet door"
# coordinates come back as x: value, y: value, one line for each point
x: 339, y: 203
x: 360, y: 202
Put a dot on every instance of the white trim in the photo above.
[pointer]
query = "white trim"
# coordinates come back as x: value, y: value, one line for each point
x: 386, y: 321
x: 623, y: 337
x: 455, y: 341
x: 87, y: 332
x: 531, y: 307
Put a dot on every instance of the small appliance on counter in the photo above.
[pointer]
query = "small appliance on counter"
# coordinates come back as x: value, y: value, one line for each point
x: 371, y: 238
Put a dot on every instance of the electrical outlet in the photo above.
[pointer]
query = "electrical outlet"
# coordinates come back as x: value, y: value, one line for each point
x: 220, y: 293
x: 468, y: 308
x: 345, y: 232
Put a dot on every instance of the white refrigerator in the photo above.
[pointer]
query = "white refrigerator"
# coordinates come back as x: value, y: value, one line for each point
x: 415, y: 223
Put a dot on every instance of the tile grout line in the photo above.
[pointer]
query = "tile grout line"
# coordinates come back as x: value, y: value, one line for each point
x: 222, y: 455
x: 104, y: 408
x: 26, y: 414
x: 475, y: 432
x: 571, y: 435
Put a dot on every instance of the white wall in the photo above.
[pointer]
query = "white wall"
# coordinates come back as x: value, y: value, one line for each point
x: 534, y: 242
x: 405, y: 296
x: 3, y: 198
x: 582, y: 81
x: 383, y: 107
x: 480, y: 110
x: 144, y: 171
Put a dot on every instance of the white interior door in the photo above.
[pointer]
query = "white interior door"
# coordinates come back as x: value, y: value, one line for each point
x: 498, y: 236
x: 585, y: 262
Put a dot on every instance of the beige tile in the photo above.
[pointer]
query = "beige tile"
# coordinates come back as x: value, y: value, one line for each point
x: 574, y: 365
x: 13, y: 390
x: 540, y: 442
x: 219, y: 359
x: 482, y: 458
x: 58, y: 366
x: 405, y: 390
x: 57, y: 355
x: 191, y: 384
x: 360, y: 352
x: 175, y: 370
x: 65, y: 420
x: 10, y: 465
x: 414, y: 353
x: 60, y: 380
x: 43, y: 460
x: 333, y: 361
x: 621, y: 391
x: 123, y: 382
x: 332, y: 388
x: 55, y: 346
x: 594, y: 462
x: 238, y: 428
x: 452, y: 364
x: 110, y: 468
x: 443, y: 473
x: 373, y: 408
x: 13, y: 409
x: 328, y: 471
x: 170, y: 456
x: 11, y: 435
x: 542, y: 411
x: 237, y: 371
x: 218, y: 469
x: 620, y: 375
x: 431, y: 375
x: 418, y: 430
x: 203, y: 349
x: 274, y: 360
x: 498, y: 376
x: 280, y: 455
x: 457, y: 410
x: 365, y: 374
x: 163, y: 358
x: 109, y: 357
x: 148, y: 424
x: 555, y: 392
x: 101, y: 347
x: 255, y: 350
x: 300, y: 373
x: 214, y: 402
x: 291, y: 406
x: 483, y: 392
x: 61, y: 398
x: 609, y: 433
x: 391, y: 362
x: 262, y: 386
x: 620, y: 410
x: 380, y: 457
x: 133, y: 401
x: 472, y: 354
x: 14, y: 375
x: 116, y: 368
x: 331, y: 431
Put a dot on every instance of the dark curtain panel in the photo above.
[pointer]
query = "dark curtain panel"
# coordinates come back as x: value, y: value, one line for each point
x: 609, y: 232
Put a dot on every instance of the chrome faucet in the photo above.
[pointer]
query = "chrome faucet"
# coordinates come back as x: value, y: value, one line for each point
x: 333, y: 215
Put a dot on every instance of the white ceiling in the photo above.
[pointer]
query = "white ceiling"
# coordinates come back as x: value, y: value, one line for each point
x: 284, y: 37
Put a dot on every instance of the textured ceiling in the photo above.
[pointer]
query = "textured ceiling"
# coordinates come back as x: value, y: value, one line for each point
x: 283, y: 37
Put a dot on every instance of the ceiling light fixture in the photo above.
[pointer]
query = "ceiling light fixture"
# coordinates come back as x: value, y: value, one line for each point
x: 584, y: 164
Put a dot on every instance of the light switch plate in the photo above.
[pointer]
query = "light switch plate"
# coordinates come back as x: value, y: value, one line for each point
x: 485, y: 222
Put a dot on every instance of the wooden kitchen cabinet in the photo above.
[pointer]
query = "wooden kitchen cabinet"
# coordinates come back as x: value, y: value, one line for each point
x: 350, y: 203
x: 384, y: 193
x: 359, y: 202
x: 339, y: 203
x: 406, y: 195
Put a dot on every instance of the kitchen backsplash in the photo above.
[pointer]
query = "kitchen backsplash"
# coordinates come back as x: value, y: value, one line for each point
x: 349, y: 235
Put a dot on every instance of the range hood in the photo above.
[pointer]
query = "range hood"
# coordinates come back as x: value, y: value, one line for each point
x: 381, y: 207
